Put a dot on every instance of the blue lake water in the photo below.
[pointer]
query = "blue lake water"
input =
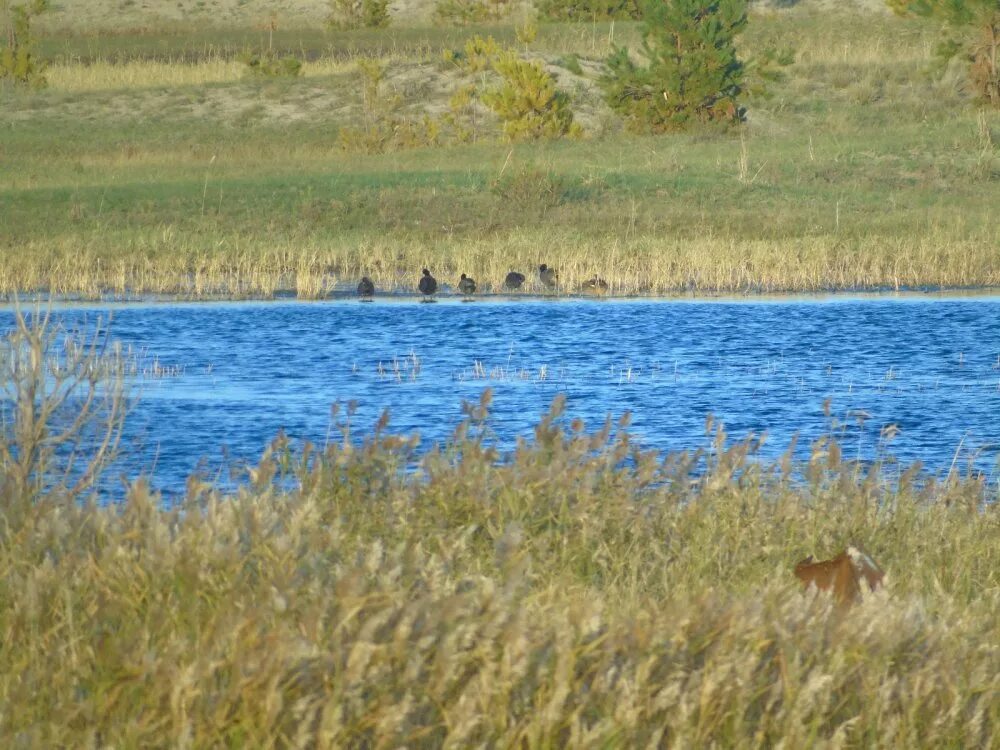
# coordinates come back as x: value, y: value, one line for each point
x: 237, y: 373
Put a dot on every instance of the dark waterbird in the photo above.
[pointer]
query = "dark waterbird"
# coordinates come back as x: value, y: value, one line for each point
x: 366, y: 289
x: 548, y: 276
x: 467, y: 286
x: 596, y: 284
x: 513, y: 280
x: 428, y: 284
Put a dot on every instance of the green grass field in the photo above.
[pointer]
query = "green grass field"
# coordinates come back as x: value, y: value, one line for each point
x: 152, y: 164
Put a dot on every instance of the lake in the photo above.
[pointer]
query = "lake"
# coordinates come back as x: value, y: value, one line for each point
x: 223, y: 378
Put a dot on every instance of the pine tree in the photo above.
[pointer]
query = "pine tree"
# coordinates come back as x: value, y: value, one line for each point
x: 528, y: 101
x: 692, y: 76
x: 978, y: 21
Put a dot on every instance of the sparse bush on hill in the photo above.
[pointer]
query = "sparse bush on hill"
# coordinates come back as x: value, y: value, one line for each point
x: 19, y: 61
x: 691, y: 76
x: 479, y: 54
x: 465, y: 12
x: 528, y: 101
x: 461, y: 117
x: 357, y: 14
x: 973, y: 28
x: 383, y: 128
x: 269, y: 65
x: 588, y: 10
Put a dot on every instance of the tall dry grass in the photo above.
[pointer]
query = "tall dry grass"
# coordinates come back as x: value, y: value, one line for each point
x: 101, y: 75
x: 578, y: 592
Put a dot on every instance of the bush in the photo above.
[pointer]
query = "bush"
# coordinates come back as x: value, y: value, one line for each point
x: 529, y: 189
x: 480, y: 54
x: 17, y: 58
x: 977, y: 23
x: 528, y: 102
x: 466, y: 12
x: 269, y: 65
x: 63, y: 403
x: 692, y: 77
x: 356, y: 14
x: 383, y: 128
x: 461, y: 117
x: 588, y: 10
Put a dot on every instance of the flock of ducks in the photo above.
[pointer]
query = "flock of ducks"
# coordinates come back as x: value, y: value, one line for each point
x: 428, y: 285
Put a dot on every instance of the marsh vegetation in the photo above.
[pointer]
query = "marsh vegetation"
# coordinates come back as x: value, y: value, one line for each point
x: 578, y: 592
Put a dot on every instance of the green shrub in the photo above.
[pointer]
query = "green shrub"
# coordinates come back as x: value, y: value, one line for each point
x: 571, y: 62
x: 528, y: 102
x: 18, y: 61
x: 529, y: 189
x: 692, y: 75
x: 766, y: 68
x: 357, y: 14
x: 466, y: 12
x: 480, y: 53
x: 269, y: 65
x: 588, y: 10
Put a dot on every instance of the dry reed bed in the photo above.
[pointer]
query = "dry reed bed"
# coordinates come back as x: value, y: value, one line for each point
x: 564, y: 597
x: 160, y: 263
x: 139, y: 74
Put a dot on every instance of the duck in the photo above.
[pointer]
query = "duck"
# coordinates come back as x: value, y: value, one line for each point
x: 548, y: 276
x: 366, y: 289
x: 467, y: 286
x: 595, y: 284
x: 428, y: 284
x: 513, y: 280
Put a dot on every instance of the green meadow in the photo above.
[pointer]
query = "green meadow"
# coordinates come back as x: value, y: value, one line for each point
x: 152, y: 163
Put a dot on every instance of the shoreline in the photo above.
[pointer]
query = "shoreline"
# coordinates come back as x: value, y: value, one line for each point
x: 449, y: 296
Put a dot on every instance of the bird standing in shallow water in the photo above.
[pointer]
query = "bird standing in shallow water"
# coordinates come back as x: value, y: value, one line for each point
x: 467, y: 286
x: 513, y: 280
x: 596, y: 284
x: 548, y: 276
x: 366, y: 289
x: 428, y: 284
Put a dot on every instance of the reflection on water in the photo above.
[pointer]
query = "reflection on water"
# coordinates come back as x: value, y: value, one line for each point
x: 232, y: 375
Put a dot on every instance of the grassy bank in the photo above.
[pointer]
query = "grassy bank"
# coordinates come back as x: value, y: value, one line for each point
x: 152, y: 164
x: 560, y: 598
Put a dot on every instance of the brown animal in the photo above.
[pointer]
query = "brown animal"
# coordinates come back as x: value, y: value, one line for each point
x: 842, y: 575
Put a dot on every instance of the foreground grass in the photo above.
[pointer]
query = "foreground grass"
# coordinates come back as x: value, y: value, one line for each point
x: 152, y: 165
x: 565, y: 596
